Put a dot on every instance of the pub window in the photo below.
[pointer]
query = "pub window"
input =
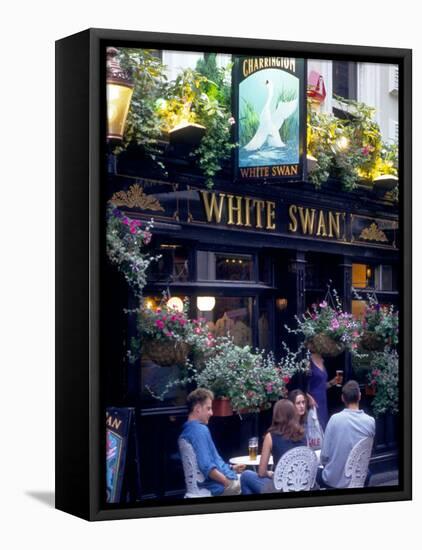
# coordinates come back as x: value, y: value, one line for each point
x: 216, y: 266
x: 345, y: 79
x: 228, y: 315
x: 265, y: 269
x: 380, y: 277
x: 173, y: 265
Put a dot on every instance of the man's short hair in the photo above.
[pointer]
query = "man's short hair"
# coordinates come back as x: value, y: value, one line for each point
x: 200, y: 395
x: 351, y: 392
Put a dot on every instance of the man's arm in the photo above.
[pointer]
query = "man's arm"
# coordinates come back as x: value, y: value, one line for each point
x: 202, y: 444
x: 215, y: 475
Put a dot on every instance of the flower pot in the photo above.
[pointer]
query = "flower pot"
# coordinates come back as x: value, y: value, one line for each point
x: 325, y: 345
x: 221, y: 406
x: 166, y: 352
x: 371, y: 341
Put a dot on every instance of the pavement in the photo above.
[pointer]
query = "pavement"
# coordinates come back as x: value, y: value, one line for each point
x: 384, y: 479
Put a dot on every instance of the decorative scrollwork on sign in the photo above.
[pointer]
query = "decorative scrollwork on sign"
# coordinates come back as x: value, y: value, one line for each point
x: 135, y: 197
x: 373, y: 233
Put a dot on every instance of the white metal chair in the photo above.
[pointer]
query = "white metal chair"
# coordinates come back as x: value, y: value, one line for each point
x: 358, y: 461
x: 191, y: 471
x: 296, y: 470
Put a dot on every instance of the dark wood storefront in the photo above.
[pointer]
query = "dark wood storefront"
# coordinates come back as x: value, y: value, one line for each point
x: 285, y: 243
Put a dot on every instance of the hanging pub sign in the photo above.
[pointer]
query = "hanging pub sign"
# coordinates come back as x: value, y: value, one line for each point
x: 270, y: 107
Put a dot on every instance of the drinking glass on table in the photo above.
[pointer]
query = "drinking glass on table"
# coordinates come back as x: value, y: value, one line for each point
x: 339, y: 378
x: 253, y: 448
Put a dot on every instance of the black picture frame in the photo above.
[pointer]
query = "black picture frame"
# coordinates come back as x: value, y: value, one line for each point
x: 80, y: 125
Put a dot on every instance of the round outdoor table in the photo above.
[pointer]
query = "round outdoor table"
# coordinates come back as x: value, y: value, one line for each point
x: 248, y: 462
x: 254, y: 463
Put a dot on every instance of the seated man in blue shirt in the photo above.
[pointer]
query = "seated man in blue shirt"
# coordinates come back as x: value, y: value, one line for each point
x: 343, y: 431
x: 220, y: 477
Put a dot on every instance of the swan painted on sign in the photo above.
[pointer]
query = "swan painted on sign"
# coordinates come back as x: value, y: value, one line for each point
x: 270, y: 122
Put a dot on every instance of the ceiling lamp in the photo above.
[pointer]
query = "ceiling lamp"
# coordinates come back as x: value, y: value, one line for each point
x: 205, y: 303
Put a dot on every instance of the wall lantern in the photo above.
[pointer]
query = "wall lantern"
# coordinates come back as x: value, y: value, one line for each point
x: 205, y: 303
x: 175, y: 303
x: 119, y: 94
x: 281, y: 304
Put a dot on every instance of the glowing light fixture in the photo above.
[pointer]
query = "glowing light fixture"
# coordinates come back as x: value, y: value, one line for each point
x: 281, y: 304
x: 175, y: 303
x: 342, y: 143
x: 205, y: 303
x: 119, y: 94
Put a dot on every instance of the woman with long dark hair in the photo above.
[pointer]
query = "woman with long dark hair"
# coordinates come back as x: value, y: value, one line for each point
x: 308, y: 419
x: 300, y: 401
x: 284, y: 434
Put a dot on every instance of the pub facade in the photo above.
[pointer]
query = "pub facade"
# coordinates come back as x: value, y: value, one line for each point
x: 251, y: 253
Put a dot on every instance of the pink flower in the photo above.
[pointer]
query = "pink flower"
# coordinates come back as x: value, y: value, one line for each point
x: 323, y: 304
x: 335, y: 324
x: 355, y: 333
x: 376, y: 372
x: 250, y: 393
x: 147, y: 237
x: 159, y: 324
x: 198, y: 330
x: 232, y: 121
x: 132, y: 229
x: 269, y: 388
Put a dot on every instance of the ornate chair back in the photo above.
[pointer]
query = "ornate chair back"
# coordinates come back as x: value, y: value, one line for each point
x: 296, y: 470
x: 191, y: 471
x: 357, y: 462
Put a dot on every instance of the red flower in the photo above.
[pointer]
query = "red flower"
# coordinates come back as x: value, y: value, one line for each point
x: 286, y: 379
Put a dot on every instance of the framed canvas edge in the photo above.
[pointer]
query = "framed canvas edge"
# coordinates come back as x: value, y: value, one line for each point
x: 376, y: 54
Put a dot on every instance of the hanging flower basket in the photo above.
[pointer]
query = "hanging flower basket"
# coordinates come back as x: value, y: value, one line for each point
x: 166, y: 352
x: 371, y: 341
x: 221, y: 406
x: 325, y: 345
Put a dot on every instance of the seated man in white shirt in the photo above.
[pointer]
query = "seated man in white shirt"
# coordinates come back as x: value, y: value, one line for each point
x: 343, y: 431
